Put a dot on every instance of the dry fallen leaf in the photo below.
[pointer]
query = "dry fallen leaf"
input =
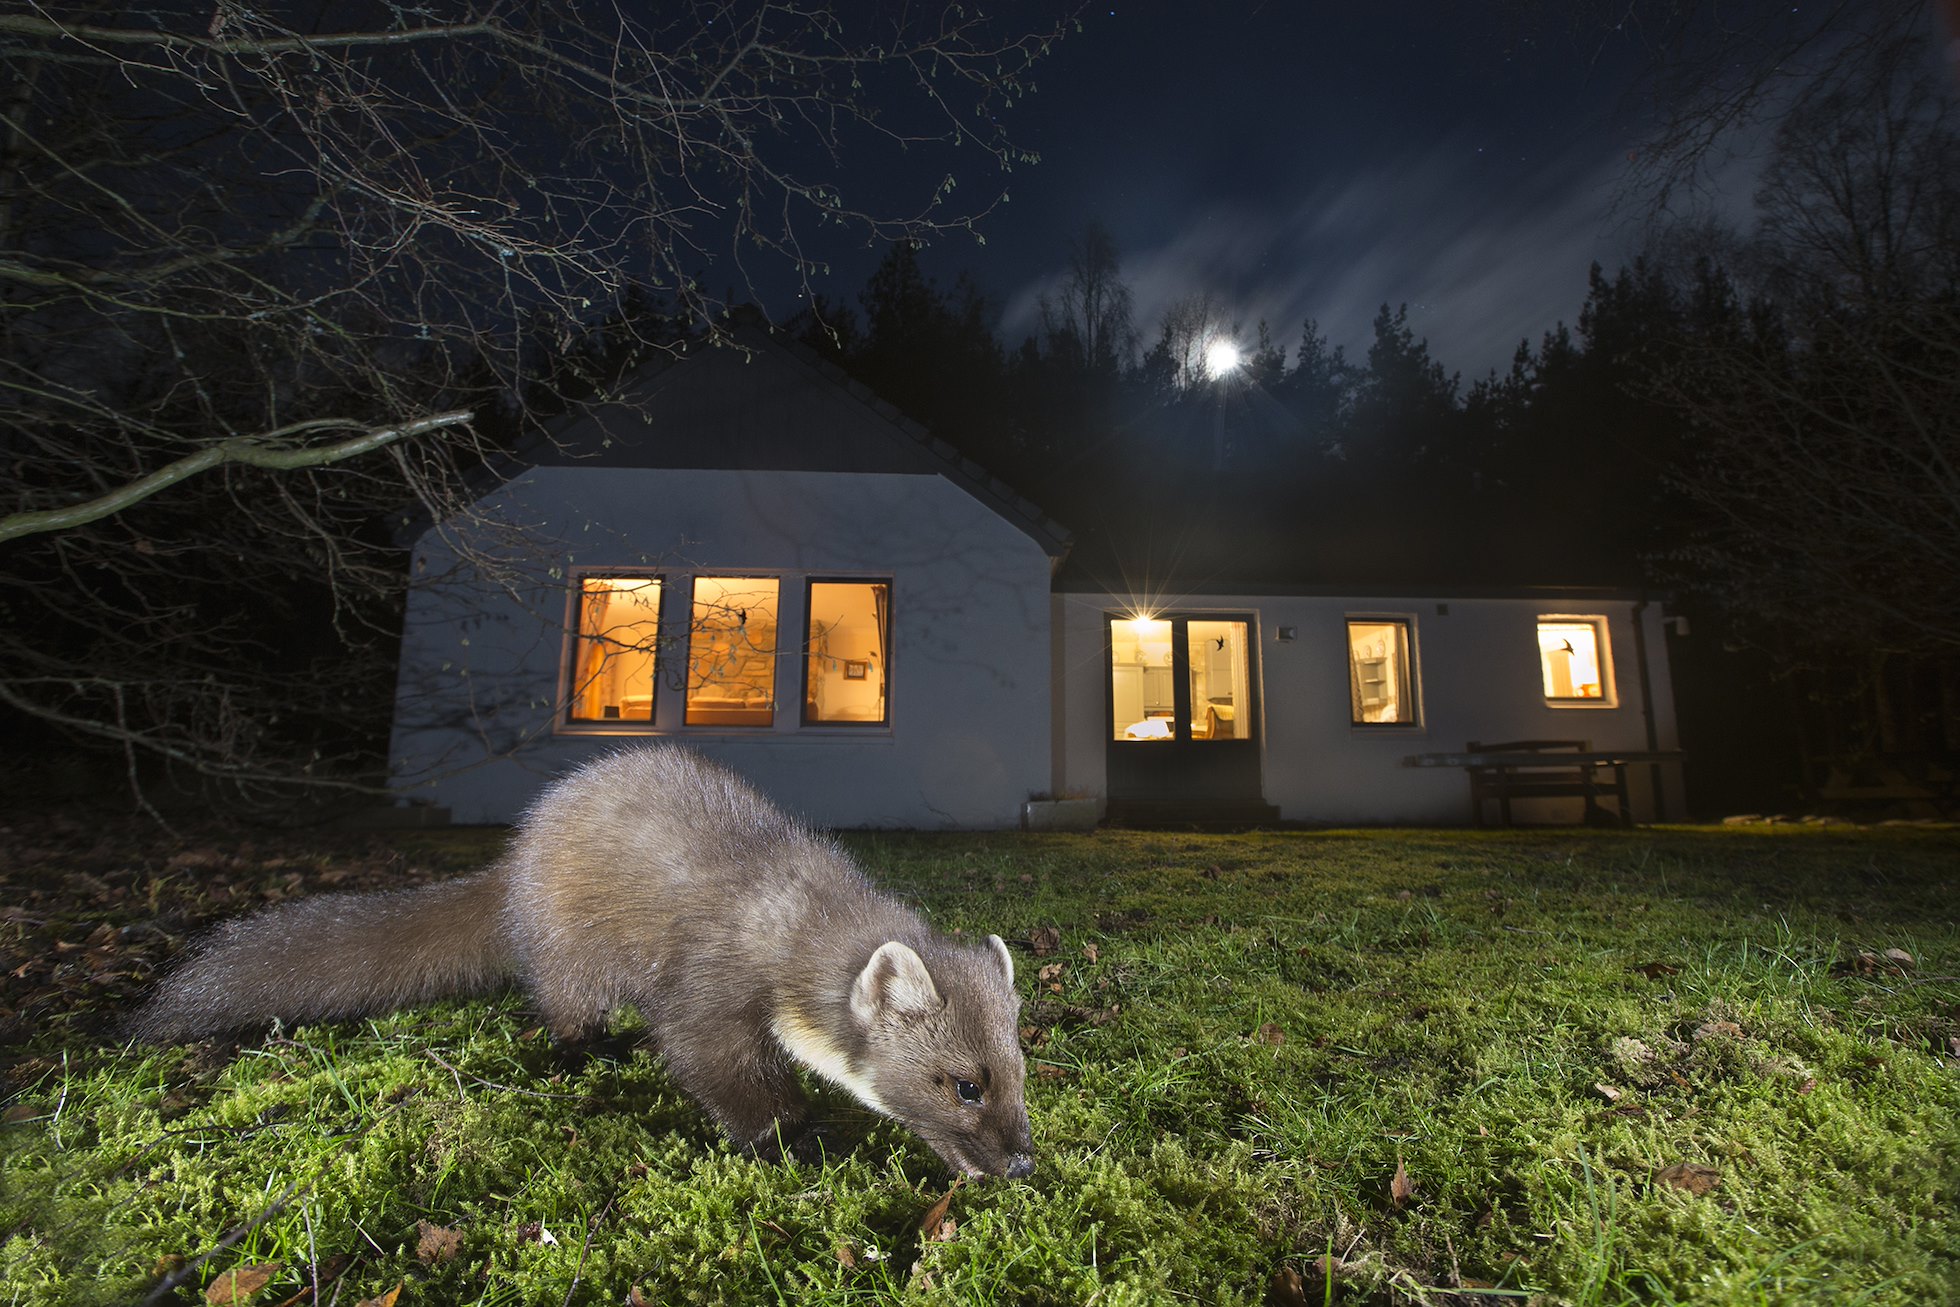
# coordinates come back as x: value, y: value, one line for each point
x: 1867, y: 963
x: 535, y: 1232
x: 929, y: 1223
x: 1607, y: 1092
x: 1717, y: 1030
x: 1401, y: 1188
x: 1091, y: 952
x: 846, y: 1258
x: 1690, y: 1176
x: 1044, y: 940
x: 241, y: 1284
x: 945, y: 1232
x: 436, y: 1244
x: 1272, y: 1035
x: 1051, y: 972
x: 385, y: 1300
x: 1655, y: 970
x: 1287, y: 1289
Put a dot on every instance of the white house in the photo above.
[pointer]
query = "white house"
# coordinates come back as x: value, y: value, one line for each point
x: 754, y: 555
x: 1305, y: 706
x: 757, y: 557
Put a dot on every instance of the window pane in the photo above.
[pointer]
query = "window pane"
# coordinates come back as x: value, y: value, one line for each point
x: 1569, y: 653
x: 1221, y: 692
x: 1145, y: 704
x: 849, y: 624
x: 613, y: 656
x: 1379, y: 685
x: 731, y: 652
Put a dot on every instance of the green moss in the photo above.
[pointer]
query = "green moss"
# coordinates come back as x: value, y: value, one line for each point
x: 1243, y: 1039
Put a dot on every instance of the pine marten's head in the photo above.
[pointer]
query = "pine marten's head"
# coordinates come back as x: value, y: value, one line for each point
x: 943, y: 1051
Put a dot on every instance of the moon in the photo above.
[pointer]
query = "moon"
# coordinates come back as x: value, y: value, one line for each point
x: 1221, y: 357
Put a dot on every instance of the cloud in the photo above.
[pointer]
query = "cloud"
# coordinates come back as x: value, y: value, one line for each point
x: 1485, y: 252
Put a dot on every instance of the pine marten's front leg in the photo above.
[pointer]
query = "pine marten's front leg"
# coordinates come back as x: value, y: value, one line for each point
x: 752, y: 1093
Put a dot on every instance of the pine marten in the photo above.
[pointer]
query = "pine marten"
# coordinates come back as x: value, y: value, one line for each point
x: 654, y: 878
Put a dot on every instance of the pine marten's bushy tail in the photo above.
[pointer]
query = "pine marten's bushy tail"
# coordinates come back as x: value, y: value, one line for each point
x: 337, y: 955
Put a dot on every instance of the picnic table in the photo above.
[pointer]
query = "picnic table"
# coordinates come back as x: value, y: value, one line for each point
x: 1547, y: 769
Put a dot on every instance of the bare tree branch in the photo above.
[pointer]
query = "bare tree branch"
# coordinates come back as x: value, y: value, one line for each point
x: 268, y: 283
x: 274, y: 449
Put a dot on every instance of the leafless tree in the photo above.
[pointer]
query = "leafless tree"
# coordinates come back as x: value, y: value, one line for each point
x: 1715, y: 77
x: 1089, y: 318
x: 1826, y: 404
x: 268, y: 285
x: 1183, y: 355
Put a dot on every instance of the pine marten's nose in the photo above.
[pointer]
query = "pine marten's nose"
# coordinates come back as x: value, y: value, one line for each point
x: 1019, y: 1167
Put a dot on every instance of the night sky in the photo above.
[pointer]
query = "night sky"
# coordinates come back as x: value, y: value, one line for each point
x: 1298, y: 158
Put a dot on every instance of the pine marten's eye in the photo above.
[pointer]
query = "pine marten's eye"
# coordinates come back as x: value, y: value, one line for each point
x: 968, y: 1091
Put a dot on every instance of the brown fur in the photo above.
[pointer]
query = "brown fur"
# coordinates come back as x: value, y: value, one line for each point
x: 656, y: 879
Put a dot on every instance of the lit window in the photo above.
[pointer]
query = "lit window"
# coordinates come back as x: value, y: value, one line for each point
x: 731, y: 652
x: 1572, y: 653
x: 1145, y: 704
x: 1152, y: 657
x: 616, y: 642
x: 850, y: 622
x: 1221, y: 693
x: 1380, y: 687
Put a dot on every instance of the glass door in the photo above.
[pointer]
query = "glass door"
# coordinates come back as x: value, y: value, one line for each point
x: 1182, y: 717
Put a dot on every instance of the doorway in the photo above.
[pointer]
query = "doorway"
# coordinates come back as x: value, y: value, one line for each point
x: 1183, y: 709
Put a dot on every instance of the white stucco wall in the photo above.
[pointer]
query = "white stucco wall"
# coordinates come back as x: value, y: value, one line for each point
x: 1478, y: 678
x: 477, y: 719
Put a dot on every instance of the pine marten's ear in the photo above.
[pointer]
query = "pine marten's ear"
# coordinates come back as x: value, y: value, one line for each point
x: 896, y: 984
x: 1006, y: 959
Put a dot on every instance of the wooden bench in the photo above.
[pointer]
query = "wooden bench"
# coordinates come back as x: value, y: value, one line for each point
x: 1544, y: 775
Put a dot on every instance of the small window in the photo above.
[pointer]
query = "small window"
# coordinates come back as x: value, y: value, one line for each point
x: 847, y: 669
x: 1381, y: 688
x: 614, y: 649
x: 731, y: 652
x: 1572, y: 652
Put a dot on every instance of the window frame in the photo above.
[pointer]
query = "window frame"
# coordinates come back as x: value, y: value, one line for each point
x: 686, y: 654
x: 1412, y: 673
x: 1181, y: 736
x: 804, y: 720
x: 668, y: 718
x: 1609, y: 691
x: 575, y: 638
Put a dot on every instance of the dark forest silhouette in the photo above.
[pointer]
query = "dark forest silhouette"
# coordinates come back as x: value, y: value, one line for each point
x: 1760, y: 448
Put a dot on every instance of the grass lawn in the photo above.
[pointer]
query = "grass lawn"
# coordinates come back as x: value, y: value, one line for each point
x: 1398, y: 1066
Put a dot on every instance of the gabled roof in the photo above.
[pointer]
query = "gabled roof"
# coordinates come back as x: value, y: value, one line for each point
x: 759, y: 401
